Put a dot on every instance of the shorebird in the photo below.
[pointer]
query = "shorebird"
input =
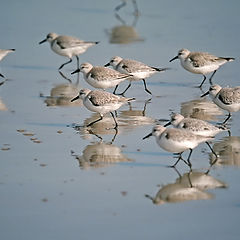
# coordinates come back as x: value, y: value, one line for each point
x: 196, y: 126
x: 177, y: 141
x: 225, y: 98
x: 101, y: 77
x: 201, y: 62
x: 101, y: 102
x: 67, y: 46
x: 138, y: 70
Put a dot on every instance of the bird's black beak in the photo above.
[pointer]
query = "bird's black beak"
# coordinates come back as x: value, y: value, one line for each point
x: 205, y: 94
x: 74, y: 99
x: 76, y: 71
x: 173, y: 59
x: 167, y: 124
x: 44, y: 40
x: 107, y: 64
x: 149, y: 135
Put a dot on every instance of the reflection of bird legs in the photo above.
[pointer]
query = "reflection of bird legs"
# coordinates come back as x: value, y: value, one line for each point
x: 213, y: 162
x: 117, y: 8
x: 117, y: 16
x: 189, y: 179
x: 113, y: 139
x: 91, y: 132
x: 135, y: 20
x: 124, y: 3
x: 145, y: 106
x: 68, y: 79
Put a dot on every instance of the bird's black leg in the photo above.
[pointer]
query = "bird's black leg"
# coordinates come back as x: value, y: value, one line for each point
x: 90, y: 124
x: 229, y: 115
x: 188, y: 159
x: 129, y: 85
x: 212, y: 150
x: 115, y: 89
x: 204, y: 78
x: 70, y: 60
x: 77, y: 61
x: 210, y: 79
x: 145, y: 87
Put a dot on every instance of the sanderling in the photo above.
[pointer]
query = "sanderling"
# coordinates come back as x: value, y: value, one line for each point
x: 101, y: 102
x: 67, y: 46
x: 101, y: 77
x: 225, y: 98
x: 196, y: 126
x: 177, y: 141
x: 137, y: 69
x: 201, y: 62
x: 4, y: 53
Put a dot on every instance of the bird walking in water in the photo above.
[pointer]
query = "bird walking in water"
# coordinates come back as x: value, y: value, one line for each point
x: 201, y: 63
x: 101, y: 77
x: 101, y: 102
x: 67, y: 46
x: 225, y: 98
x: 177, y: 141
x: 196, y: 126
x: 138, y: 70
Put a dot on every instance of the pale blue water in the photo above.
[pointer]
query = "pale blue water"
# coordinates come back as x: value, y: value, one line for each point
x: 49, y: 188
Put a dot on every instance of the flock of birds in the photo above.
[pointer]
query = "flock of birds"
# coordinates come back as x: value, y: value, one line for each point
x: 187, y: 133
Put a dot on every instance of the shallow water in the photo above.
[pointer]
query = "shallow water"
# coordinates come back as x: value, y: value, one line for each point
x: 63, y: 181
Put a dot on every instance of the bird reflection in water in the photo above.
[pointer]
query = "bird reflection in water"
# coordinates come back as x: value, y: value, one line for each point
x: 99, y: 155
x: 201, y: 109
x: 190, y: 186
x: 228, y: 151
x: 134, y: 117
x: 124, y: 33
x: 62, y: 94
x: 124, y: 3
